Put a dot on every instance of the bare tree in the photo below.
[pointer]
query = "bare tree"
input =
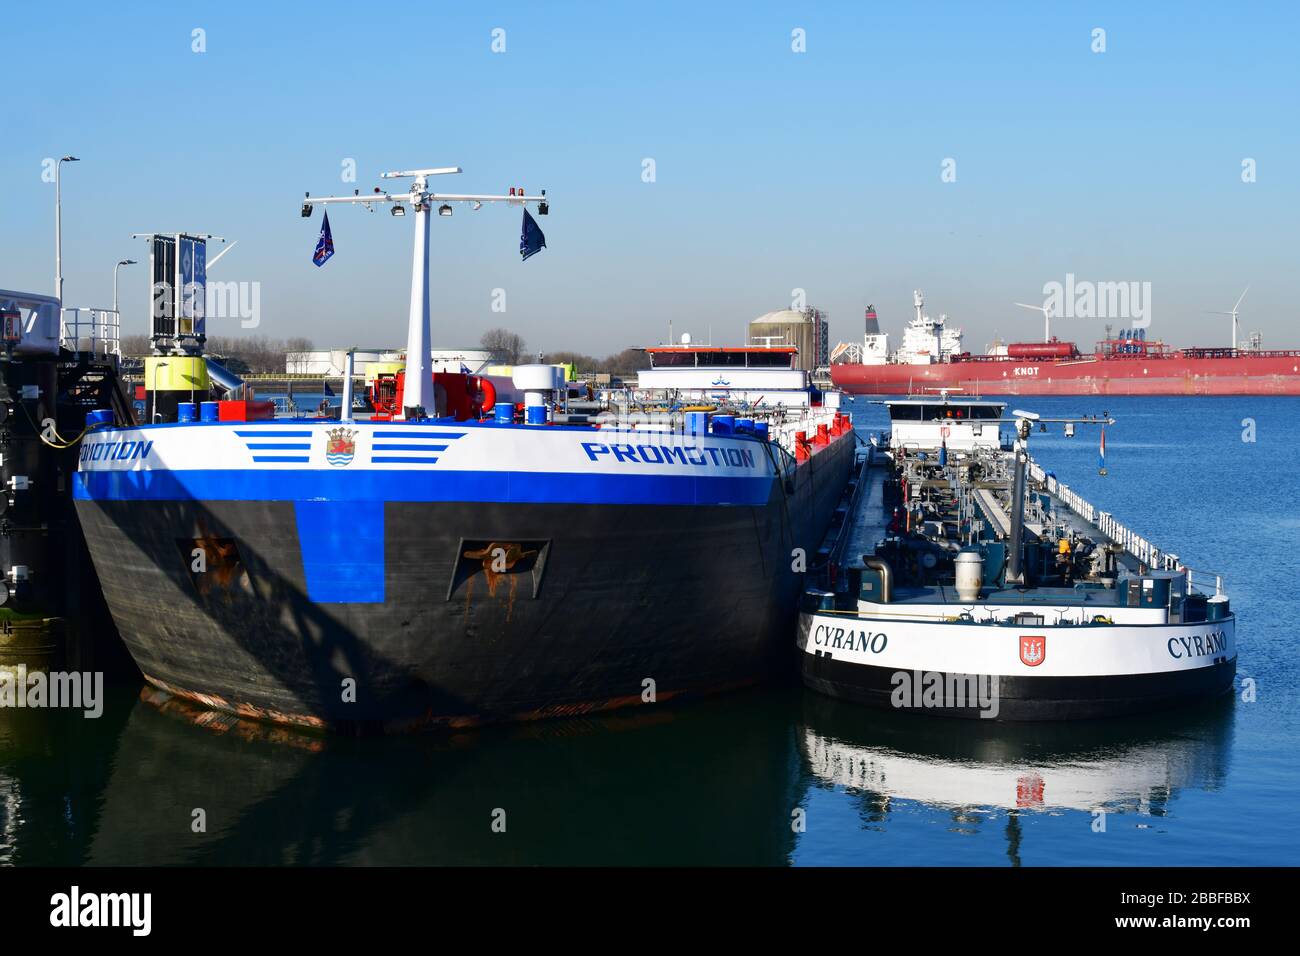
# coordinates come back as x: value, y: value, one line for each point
x: 256, y: 353
x: 626, y: 362
x: 135, y: 345
x: 241, y: 354
x: 580, y: 361
x: 507, y: 347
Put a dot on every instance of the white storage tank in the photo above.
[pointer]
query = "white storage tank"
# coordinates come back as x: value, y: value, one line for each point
x: 539, y: 384
x: 970, y: 574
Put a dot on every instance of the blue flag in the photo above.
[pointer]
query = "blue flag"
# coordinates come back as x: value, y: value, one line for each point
x: 325, y: 244
x: 328, y: 391
x: 531, y: 241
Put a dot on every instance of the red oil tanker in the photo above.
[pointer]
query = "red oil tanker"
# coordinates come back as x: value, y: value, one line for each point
x: 1130, y: 364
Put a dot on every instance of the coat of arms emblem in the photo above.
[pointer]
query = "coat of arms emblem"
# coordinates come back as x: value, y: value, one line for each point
x: 1029, y: 791
x: 341, y: 446
x: 1032, y: 650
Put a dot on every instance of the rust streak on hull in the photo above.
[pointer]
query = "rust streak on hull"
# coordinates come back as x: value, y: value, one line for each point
x: 430, y: 721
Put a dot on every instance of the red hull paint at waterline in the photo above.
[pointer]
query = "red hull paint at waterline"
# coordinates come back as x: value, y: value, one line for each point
x: 1264, y: 374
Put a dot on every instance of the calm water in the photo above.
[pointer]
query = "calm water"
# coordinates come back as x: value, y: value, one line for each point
x: 729, y: 780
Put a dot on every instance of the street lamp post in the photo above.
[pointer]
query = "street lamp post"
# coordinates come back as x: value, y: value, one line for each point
x: 124, y: 262
x: 153, y: 418
x: 58, y: 229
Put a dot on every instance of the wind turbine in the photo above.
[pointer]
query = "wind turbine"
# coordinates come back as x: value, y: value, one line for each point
x: 213, y: 261
x: 1233, y: 313
x: 1047, y: 317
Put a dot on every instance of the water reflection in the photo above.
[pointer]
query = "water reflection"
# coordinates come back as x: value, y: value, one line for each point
x: 973, y: 771
x: 710, y: 783
x: 53, y: 766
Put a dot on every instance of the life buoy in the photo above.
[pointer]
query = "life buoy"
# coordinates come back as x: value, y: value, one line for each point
x: 483, y: 396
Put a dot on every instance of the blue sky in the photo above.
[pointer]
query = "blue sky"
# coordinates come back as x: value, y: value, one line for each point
x: 775, y: 170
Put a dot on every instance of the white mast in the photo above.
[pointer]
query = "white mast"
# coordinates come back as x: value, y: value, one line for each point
x: 419, y: 335
x: 417, y: 396
x: 349, y: 368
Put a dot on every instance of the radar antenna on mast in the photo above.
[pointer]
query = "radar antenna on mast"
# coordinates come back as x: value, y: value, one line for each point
x: 418, y: 394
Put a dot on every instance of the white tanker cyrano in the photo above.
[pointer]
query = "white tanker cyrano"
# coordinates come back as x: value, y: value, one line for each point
x: 968, y: 581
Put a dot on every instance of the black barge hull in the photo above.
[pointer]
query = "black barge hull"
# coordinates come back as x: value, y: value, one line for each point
x: 1021, y: 698
x: 600, y: 605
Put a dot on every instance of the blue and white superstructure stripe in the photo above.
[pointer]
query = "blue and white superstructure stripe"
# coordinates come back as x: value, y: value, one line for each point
x: 437, y: 461
x: 408, y: 446
x: 281, y: 445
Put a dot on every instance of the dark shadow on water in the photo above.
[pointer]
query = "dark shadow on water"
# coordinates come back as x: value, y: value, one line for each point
x: 54, y: 765
x: 707, y: 783
x: 714, y: 782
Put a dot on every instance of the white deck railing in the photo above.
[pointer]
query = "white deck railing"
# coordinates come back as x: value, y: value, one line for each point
x: 1132, y: 542
x: 93, y: 332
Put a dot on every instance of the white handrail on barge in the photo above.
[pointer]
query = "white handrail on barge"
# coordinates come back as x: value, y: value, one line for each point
x: 784, y: 423
x: 1132, y: 542
x: 784, y: 433
x: 93, y: 332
